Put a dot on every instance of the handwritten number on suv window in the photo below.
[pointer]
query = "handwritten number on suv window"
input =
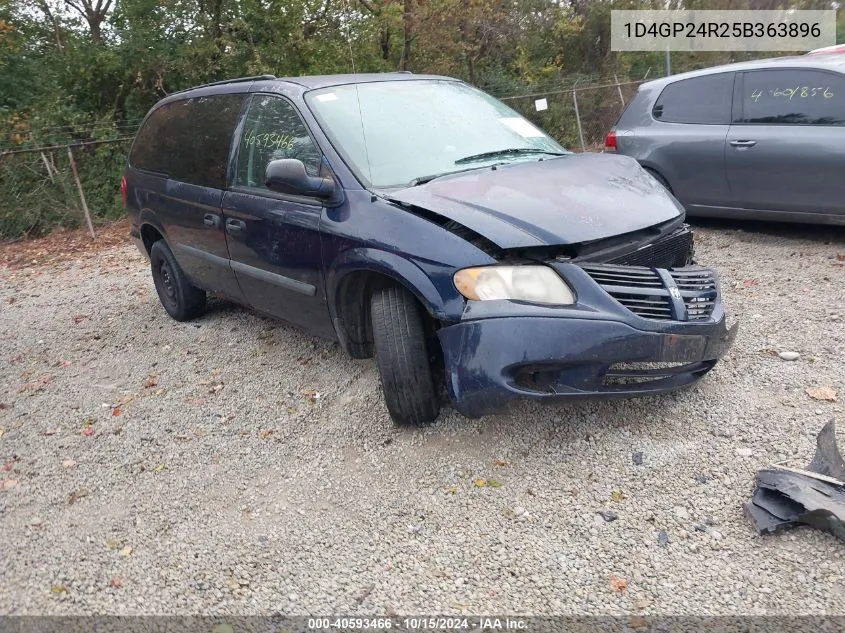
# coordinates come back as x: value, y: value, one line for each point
x: 268, y: 140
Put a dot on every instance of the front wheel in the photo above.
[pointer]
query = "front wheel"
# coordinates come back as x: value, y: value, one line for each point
x: 402, y: 356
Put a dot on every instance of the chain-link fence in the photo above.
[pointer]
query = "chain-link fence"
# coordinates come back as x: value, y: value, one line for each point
x: 579, y: 115
x: 44, y: 185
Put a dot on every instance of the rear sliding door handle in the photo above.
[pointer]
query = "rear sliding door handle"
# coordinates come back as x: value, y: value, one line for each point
x: 235, y: 227
x: 743, y: 143
x: 211, y: 221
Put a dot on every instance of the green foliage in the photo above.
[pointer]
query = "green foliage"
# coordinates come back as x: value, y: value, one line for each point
x: 65, y: 80
x: 34, y: 202
x: 31, y: 203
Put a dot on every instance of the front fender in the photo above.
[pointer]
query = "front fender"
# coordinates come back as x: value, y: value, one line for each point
x: 441, y: 300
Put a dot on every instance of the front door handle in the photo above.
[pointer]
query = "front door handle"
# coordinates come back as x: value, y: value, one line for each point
x: 743, y: 143
x: 235, y: 227
x: 211, y: 221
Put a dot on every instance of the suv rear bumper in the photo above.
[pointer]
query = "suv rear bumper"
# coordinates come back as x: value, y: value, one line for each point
x: 503, y: 350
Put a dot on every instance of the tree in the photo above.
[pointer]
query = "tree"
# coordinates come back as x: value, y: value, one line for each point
x: 94, y: 14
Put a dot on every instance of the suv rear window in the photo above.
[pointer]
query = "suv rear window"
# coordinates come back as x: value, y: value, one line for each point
x: 793, y: 97
x: 704, y: 100
x: 189, y: 139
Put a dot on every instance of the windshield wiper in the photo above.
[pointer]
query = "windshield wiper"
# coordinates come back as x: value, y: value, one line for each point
x: 421, y: 180
x: 505, y: 152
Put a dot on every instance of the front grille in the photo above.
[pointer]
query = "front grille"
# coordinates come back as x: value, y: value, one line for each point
x: 698, y: 290
x: 624, y: 276
x: 669, y: 252
x: 648, y: 306
x: 684, y: 294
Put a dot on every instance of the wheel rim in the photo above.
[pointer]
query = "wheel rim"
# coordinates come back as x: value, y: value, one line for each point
x: 168, y: 284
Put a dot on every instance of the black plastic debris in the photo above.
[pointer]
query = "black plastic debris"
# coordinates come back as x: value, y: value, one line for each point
x: 828, y: 460
x: 787, y: 497
x: 771, y: 511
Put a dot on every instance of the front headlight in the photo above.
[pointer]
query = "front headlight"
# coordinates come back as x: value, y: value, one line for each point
x: 535, y: 284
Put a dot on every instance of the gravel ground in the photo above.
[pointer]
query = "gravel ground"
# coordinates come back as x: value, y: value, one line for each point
x: 159, y: 467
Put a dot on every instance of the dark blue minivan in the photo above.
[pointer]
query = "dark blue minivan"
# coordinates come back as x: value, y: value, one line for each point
x: 418, y: 220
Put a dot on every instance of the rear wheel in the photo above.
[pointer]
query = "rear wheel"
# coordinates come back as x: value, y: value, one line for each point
x: 182, y: 300
x: 403, y: 360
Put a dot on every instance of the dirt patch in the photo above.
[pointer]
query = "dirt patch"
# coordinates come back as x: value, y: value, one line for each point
x: 62, y: 245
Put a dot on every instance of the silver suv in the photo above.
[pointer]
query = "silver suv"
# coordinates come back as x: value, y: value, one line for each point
x: 762, y: 139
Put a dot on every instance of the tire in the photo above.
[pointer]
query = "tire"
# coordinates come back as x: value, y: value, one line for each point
x: 399, y: 339
x: 180, y: 298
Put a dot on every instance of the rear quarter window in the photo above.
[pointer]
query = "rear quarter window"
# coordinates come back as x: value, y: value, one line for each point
x: 793, y: 97
x: 704, y: 100
x: 189, y: 140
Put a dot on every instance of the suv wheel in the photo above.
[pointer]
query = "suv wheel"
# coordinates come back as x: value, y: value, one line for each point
x: 402, y: 357
x: 182, y: 300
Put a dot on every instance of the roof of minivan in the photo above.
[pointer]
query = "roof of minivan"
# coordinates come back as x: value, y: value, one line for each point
x: 324, y: 81
x: 311, y: 82
x: 299, y: 84
x: 821, y: 61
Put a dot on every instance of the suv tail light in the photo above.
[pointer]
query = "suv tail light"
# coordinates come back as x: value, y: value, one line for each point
x: 610, y: 140
x: 123, y: 190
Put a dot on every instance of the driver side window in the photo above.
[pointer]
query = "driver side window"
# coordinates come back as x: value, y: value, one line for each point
x: 272, y: 130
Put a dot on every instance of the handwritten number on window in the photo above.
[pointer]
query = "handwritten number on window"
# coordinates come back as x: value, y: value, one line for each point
x: 269, y: 140
x: 803, y: 92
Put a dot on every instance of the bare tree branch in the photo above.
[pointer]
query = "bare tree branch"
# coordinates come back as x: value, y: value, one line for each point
x: 76, y: 6
x: 45, y: 9
x: 94, y: 14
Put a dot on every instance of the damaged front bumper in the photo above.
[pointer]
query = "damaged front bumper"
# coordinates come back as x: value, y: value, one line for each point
x: 633, y: 331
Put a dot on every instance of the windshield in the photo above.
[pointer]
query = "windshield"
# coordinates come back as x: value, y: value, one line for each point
x: 422, y: 128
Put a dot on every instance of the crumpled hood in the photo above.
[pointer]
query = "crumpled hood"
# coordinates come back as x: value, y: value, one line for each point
x: 567, y: 200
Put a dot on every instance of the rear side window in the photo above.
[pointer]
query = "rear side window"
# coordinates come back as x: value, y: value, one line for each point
x: 704, y: 100
x: 189, y: 140
x: 793, y: 97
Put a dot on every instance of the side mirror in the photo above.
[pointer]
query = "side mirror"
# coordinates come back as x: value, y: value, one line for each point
x: 288, y: 175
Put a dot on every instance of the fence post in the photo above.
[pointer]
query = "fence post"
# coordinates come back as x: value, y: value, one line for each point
x: 619, y: 89
x: 81, y: 192
x: 47, y: 167
x: 578, y: 119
